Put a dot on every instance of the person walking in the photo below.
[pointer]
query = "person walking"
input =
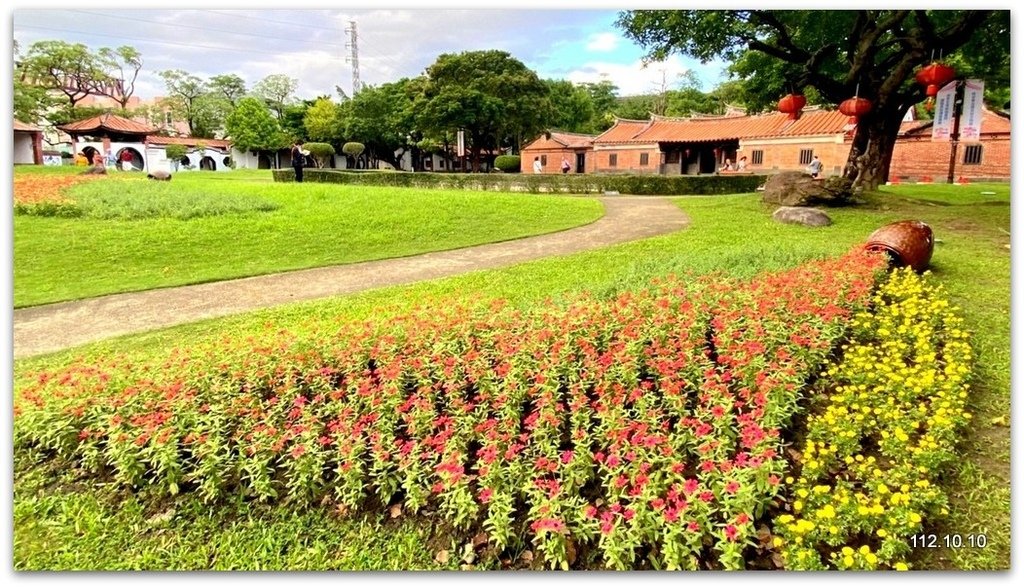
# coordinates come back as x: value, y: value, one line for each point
x: 537, y: 167
x: 566, y: 166
x: 814, y: 167
x: 298, y: 159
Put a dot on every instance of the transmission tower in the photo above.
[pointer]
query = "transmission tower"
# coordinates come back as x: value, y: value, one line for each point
x: 354, y: 59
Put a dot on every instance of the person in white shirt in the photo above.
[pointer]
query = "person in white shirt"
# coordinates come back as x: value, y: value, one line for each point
x: 537, y: 167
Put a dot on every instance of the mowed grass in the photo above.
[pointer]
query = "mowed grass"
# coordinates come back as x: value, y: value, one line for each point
x: 204, y: 227
x: 730, y: 234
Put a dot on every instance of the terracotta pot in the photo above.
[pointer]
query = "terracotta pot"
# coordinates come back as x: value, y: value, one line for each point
x: 907, y: 242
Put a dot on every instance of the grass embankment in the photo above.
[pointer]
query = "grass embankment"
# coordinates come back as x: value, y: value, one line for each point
x: 61, y: 524
x: 135, y: 234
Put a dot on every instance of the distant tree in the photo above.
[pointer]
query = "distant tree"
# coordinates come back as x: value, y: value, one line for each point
x: 252, y: 127
x: 490, y: 94
x: 572, y: 108
x: 187, y: 98
x: 321, y: 121
x: 276, y: 90
x: 229, y: 86
x: 635, y: 107
x: 122, y: 67
x: 353, y: 149
x: 69, y: 68
x: 383, y: 119
x: 175, y: 153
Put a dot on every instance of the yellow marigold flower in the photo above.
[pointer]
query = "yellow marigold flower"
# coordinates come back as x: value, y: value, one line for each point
x: 864, y: 550
x: 900, y: 566
x: 871, y: 558
x: 881, y: 533
x: 847, y: 550
x: 848, y: 561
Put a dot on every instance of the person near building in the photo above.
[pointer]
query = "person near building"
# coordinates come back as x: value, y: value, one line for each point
x: 537, y: 167
x: 814, y: 167
x: 741, y: 165
x: 126, y: 161
x: 566, y: 166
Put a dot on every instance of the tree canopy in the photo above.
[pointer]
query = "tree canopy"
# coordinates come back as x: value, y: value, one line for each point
x: 873, y: 53
x: 251, y: 126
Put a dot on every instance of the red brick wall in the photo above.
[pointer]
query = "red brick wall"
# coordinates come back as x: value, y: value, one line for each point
x: 627, y: 160
x: 918, y: 157
x: 554, y: 157
x: 786, y: 157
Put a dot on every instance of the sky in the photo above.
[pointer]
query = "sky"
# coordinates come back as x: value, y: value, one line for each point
x: 311, y: 44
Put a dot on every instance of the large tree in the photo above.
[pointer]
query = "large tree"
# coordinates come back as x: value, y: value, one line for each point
x: 122, y: 67
x: 276, y: 90
x: 229, y: 86
x: 496, y: 99
x: 383, y: 119
x: 69, y: 68
x: 187, y: 97
x: 833, y: 52
x: 252, y: 127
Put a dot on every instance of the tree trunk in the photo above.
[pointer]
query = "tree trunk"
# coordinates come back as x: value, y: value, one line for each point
x: 872, y: 146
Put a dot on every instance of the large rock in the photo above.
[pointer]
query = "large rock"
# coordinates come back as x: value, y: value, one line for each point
x: 800, y: 189
x: 800, y: 215
x: 159, y: 175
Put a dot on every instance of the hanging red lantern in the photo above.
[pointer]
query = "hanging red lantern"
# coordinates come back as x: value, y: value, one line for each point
x: 791, y: 104
x: 855, y: 107
x: 935, y: 75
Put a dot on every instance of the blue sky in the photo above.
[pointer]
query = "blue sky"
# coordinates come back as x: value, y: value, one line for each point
x: 310, y: 44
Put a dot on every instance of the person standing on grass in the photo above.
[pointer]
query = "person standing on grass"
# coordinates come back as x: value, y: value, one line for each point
x: 298, y: 159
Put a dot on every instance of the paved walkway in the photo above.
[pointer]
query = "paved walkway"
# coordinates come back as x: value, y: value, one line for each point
x: 52, y: 327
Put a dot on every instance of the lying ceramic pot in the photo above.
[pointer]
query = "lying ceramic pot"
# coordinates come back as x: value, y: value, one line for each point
x: 907, y: 242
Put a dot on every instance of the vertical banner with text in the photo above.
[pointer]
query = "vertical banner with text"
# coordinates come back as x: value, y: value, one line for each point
x: 461, y: 143
x: 970, y: 120
x: 942, y: 125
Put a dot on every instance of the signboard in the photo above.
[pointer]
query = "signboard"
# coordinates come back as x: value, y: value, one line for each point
x: 970, y: 120
x: 461, y: 144
x: 942, y: 125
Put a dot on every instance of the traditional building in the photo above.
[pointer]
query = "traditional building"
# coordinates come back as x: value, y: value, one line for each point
x: 916, y: 157
x: 134, y: 146
x: 28, y: 144
x: 551, y: 148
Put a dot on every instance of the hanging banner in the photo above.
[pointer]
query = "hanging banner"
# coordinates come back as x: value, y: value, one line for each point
x: 970, y: 120
x: 461, y: 149
x: 942, y: 125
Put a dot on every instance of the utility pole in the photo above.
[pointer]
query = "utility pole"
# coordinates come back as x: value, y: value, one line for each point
x: 354, y: 59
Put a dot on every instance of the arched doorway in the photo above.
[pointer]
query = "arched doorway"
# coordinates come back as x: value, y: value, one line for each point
x: 263, y: 161
x: 208, y: 163
x: 129, y: 159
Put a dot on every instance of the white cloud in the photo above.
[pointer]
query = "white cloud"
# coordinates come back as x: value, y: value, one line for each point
x: 602, y: 42
x: 632, y: 78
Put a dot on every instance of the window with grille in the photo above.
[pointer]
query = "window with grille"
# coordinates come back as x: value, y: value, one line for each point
x: 644, y: 158
x: 806, y: 155
x: 972, y: 155
x: 757, y: 157
x: 613, y: 160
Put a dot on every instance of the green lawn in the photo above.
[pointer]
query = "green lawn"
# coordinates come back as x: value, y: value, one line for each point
x: 62, y: 523
x: 312, y: 225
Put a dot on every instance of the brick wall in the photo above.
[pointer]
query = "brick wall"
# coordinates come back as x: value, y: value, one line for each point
x: 914, y: 158
x: 627, y: 159
x: 785, y: 156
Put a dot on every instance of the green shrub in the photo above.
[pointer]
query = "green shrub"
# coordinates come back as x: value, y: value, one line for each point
x: 507, y: 163
x: 647, y: 185
x: 353, y: 149
x: 175, y: 152
x: 321, y: 152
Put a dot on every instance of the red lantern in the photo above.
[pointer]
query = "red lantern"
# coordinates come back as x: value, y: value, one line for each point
x: 935, y: 75
x: 791, y: 104
x: 855, y: 107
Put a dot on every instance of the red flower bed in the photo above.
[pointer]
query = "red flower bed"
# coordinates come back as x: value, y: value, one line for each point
x: 646, y: 427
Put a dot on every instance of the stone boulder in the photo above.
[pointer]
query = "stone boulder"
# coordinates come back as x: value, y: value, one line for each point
x: 159, y: 175
x: 800, y: 189
x: 801, y: 215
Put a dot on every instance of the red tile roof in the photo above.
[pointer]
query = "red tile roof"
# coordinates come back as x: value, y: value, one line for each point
x: 622, y: 131
x: 107, y: 122
x: 187, y: 141
x: 20, y: 126
x: 992, y: 123
x: 573, y: 140
x: 723, y: 128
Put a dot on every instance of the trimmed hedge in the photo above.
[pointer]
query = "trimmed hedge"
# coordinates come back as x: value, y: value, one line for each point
x: 508, y: 163
x: 646, y: 185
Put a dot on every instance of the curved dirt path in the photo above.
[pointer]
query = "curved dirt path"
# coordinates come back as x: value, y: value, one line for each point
x: 52, y: 327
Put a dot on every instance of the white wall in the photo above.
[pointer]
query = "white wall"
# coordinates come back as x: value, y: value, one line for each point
x: 157, y: 158
x: 23, y: 148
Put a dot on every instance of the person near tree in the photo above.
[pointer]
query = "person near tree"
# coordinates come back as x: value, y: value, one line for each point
x: 298, y: 159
